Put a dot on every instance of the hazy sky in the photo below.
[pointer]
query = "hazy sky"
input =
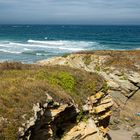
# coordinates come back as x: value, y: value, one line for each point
x: 70, y: 11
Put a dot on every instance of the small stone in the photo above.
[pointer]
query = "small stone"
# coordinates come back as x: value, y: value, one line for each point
x: 118, y: 73
x: 132, y: 124
x: 127, y: 119
x: 85, y: 108
x: 21, y: 131
x: 99, y: 95
x: 93, y: 99
x: 116, y: 120
x: 135, y: 136
x: 128, y: 128
x: 114, y: 127
x: 45, y: 105
x: 138, y: 85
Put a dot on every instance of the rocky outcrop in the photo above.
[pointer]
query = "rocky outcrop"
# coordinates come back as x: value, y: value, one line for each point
x: 56, y: 120
x: 59, y: 102
x: 84, y: 131
x: 52, y: 103
x: 121, y: 70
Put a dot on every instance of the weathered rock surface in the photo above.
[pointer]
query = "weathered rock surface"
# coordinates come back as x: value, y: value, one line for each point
x: 52, y: 103
x: 121, y: 69
x: 84, y: 131
x: 55, y: 120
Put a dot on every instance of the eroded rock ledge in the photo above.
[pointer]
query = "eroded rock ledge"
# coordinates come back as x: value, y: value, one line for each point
x: 55, y: 120
x: 121, y: 70
x: 52, y: 103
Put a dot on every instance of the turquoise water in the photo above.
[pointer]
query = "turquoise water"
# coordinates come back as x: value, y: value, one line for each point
x: 30, y: 43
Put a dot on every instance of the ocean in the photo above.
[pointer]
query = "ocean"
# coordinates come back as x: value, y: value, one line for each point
x: 30, y: 43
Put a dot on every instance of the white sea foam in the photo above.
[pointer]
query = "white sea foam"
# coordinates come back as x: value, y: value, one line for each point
x: 64, y: 44
x: 7, y: 51
x: 59, y: 46
x: 69, y: 47
x: 137, y: 48
x: 53, y: 43
x: 27, y: 49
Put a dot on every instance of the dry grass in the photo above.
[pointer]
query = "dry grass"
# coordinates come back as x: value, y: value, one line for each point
x: 22, y: 85
x: 118, y: 59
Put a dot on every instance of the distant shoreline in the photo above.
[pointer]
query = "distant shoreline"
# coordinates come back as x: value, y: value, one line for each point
x: 99, y: 52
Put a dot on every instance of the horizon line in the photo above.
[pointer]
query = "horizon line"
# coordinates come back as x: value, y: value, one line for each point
x: 72, y: 24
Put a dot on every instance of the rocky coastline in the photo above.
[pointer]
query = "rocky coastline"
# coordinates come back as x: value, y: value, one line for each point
x: 81, y: 96
x: 121, y: 70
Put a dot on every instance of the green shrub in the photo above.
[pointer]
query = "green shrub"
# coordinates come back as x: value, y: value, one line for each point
x: 123, y: 77
x: 87, y: 59
x: 82, y: 117
x: 63, y: 79
x: 97, y: 68
x: 65, y: 55
x: 22, y: 86
x: 79, y: 117
x: 105, y: 87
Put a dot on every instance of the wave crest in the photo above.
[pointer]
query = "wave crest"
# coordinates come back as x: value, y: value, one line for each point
x: 36, y: 47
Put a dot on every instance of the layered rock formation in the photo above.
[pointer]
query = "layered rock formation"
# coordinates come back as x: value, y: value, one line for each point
x: 121, y: 70
x: 52, y: 103
x: 55, y: 120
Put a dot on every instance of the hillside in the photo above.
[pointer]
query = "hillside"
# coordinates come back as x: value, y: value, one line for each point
x: 121, y: 70
x: 81, y: 96
x: 57, y: 102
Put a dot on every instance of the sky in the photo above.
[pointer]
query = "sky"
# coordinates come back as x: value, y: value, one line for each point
x: 70, y: 12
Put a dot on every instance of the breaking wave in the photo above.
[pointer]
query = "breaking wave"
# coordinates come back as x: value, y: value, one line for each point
x: 37, y: 47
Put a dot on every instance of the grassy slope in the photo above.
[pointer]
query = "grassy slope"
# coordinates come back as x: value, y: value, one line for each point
x: 118, y: 59
x: 22, y: 86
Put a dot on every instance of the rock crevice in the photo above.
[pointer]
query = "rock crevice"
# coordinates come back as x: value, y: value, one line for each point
x: 57, y: 121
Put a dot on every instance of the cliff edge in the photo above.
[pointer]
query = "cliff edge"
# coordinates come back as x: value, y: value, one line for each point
x: 121, y: 71
x: 52, y: 103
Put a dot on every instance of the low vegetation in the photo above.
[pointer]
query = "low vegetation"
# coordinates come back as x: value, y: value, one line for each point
x: 65, y: 55
x: 87, y: 59
x: 118, y: 59
x: 22, y: 86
